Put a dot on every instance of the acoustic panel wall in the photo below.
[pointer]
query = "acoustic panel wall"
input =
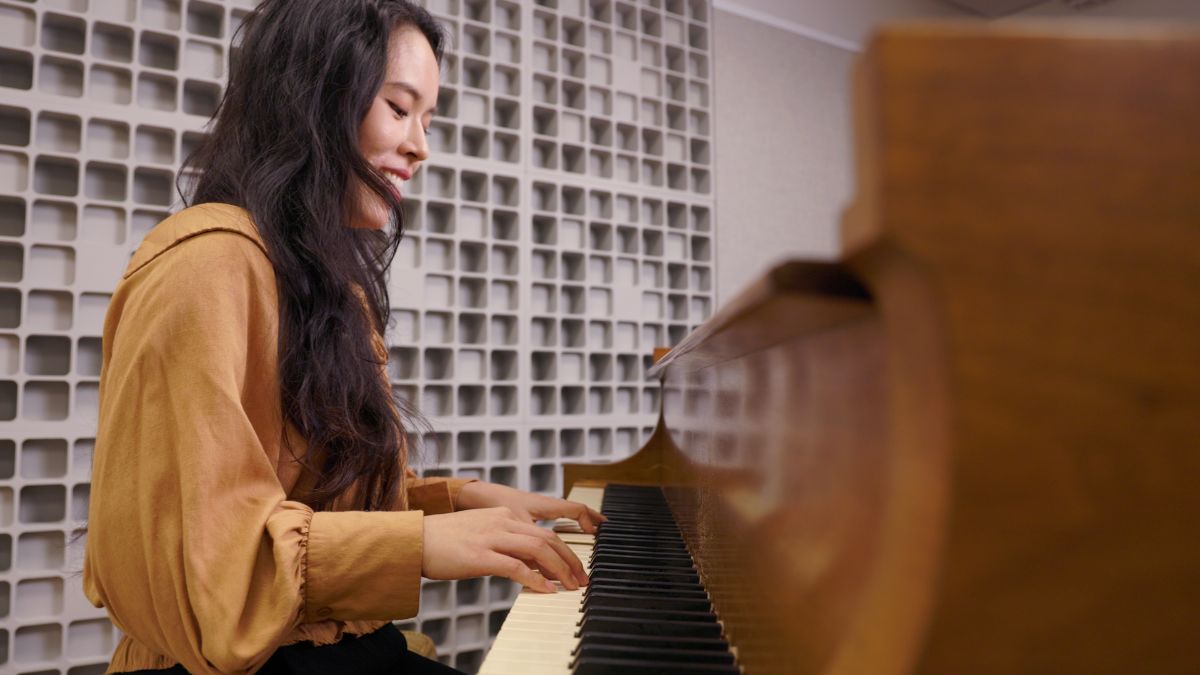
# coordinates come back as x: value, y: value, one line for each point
x: 562, y: 229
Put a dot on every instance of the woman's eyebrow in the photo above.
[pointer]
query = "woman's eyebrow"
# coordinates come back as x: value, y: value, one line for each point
x: 400, y: 84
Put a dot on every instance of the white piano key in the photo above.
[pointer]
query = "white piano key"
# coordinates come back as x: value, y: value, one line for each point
x: 538, y: 635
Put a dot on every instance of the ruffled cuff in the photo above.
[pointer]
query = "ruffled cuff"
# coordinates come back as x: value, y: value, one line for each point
x: 435, y: 495
x: 363, y: 565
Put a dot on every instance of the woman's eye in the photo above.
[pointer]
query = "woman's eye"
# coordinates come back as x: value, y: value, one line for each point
x: 398, y: 110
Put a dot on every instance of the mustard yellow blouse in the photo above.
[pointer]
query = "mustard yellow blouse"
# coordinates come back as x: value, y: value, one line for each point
x: 196, y: 545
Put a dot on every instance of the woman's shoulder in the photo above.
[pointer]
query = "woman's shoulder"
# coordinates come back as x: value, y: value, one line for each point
x: 206, y: 238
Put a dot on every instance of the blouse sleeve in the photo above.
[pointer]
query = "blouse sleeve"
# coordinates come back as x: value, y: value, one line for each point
x: 193, y: 545
x: 434, y: 495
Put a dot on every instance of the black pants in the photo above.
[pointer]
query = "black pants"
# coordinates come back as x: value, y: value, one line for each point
x: 383, y: 652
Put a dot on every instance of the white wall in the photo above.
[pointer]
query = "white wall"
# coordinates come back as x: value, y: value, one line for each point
x: 782, y: 117
x: 782, y: 147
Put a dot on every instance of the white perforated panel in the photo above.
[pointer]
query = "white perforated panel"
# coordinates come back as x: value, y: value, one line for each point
x: 561, y: 231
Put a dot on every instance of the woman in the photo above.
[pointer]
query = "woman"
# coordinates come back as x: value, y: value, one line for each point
x: 250, y: 504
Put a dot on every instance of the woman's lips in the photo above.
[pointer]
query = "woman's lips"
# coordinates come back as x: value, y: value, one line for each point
x: 397, y: 177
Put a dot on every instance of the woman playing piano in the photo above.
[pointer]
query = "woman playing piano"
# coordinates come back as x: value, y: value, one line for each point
x: 251, y: 509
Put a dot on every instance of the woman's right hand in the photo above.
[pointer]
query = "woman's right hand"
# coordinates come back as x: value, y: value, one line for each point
x: 495, y: 541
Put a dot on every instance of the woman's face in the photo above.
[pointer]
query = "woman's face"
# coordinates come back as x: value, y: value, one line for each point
x: 392, y: 135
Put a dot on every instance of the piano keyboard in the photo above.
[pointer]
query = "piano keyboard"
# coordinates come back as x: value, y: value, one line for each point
x: 644, y: 611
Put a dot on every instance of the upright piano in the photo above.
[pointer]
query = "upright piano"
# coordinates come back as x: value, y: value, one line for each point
x: 972, y: 445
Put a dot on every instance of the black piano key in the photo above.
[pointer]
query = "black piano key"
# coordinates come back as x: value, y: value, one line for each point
x: 606, y: 566
x: 652, y: 642
x: 641, y: 561
x: 641, y: 544
x: 642, y: 540
x: 632, y: 544
x: 634, y: 601
x: 604, y: 666
x: 685, y: 579
x: 620, y: 518
x: 672, y: 655
x: 678, y: 590
x: 628, y: 518
x: 617, y: 522
x: 634, y: 509
x: 648, y: 559
x: 637, y: 511
x: 636, y: 531
x: 609, y: 623
x: 672, y: 590
x: 619, y: 572
x: 645, y: 613
x: 646, y: 610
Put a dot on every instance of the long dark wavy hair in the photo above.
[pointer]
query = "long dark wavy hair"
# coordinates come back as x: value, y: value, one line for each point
x: 283, y: 145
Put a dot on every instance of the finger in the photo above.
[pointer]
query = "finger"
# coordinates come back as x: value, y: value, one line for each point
x: 517, y: 513
x: 553, y: 507
x: 512, y: 568
x: 587, y: 518
x: 564, y: 551
x: 541, y: 552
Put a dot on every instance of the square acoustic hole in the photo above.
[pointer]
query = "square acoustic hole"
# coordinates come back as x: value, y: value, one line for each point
x: 18, y: 26
x: 155, y: 145
x: 16, y: 69
x: 112, y: 43
x: 205, y: 18
x: 51, y: 265
x: 156, y: 91
x: 38, y: 643
x: 153, y: 186
x: 543, y: 444
x: 201, y: 98
x: 62, y: 33
x: 45, y: 401
x: 61, y: 77
x: 105, y: 181
x: 166, y: 14
x: 12, y: 262
x: 203, y: 60
x: 109, y: 84
x: 14, y: 126
x: 56, y: 176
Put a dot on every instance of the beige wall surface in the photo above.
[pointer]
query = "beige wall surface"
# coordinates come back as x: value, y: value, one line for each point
x: 782, y: 116
x: 782, y: 122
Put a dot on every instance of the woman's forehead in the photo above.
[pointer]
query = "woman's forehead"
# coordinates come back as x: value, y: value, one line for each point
x: 411, y: 63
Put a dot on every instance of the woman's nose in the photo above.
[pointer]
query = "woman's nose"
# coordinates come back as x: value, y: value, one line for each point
x: 416, y: 144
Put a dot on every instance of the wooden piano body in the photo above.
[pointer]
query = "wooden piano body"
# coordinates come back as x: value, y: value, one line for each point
x: 970, y: 446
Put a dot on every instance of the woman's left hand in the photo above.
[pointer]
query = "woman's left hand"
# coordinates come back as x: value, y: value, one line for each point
x: 481, y: 495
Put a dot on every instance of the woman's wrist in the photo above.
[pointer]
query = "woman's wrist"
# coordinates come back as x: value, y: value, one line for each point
x: 470, y: 496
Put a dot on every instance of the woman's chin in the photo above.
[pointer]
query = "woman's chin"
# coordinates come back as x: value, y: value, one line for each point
x: 377, y: 219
